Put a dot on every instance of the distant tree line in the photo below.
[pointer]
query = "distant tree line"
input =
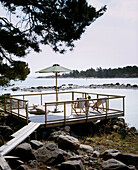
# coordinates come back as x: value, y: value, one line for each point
x: 128, y: 71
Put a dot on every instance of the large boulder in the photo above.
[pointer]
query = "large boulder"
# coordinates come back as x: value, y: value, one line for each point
x: 68, y: 142
x: 71, y: 165
x: 24, y: 151
x: 108, y: 154
x: 56, y: 134
x: 36, y: 144
x: 113, y: 164
x: 6, y: 131
x: 86, y: 148
x: 49, y: 154
x: 127, y: 158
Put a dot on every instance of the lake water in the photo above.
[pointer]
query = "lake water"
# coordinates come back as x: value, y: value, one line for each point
x: 131, y: 100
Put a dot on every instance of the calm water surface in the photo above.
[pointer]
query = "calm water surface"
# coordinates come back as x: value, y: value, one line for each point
x: 131, y: 100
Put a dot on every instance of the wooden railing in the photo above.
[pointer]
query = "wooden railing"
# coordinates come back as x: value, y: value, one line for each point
x: 107, y: 110
x: 72, y: 95
x: 15, y: 106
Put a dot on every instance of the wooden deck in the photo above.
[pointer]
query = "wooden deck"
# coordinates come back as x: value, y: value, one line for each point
x: 18, y: 106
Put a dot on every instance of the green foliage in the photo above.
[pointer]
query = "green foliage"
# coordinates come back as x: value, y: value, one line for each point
x: 4, y: 97
x: 129, y: 71
x: 57, y: 23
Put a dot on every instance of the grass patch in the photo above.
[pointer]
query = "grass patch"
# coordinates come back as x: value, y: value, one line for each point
x: 129, y: 144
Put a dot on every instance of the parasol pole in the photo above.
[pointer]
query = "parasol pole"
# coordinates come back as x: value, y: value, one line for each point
x: 56, y: 88
x: 56, y: 93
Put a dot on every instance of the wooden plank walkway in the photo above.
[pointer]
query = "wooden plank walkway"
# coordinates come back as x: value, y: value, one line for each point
x: 19, y: 136
x: 3, y: 164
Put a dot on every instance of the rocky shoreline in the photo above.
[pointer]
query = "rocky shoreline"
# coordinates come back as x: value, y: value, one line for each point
x: 80, y: 147
x: 73, y: 86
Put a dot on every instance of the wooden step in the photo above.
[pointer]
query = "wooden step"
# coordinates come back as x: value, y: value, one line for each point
x: 3, y: 164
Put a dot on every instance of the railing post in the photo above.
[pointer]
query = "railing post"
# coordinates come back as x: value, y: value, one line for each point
x: 107, y: 103
x: 106, y: 108
x: 123, y: 106
x: 26, y: 112
x: 23, y: 103
x: 64, y: 113
x: 86, y: 109
x: 73, y: 95
x: 85, y: 95
x: 41, y: 100
x: 45, y: 114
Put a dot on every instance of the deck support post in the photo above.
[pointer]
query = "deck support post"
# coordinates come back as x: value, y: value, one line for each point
x: 29, y: 139
x: 35, y: 135
x: 26, y: 113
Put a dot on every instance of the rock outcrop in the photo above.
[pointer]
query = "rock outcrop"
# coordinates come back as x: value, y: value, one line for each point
x: 71, y: 165
x: 113, y: 164
x: 24, y: 151
x: 86, y: 148
x: 49, y: 154
x: 36, y: 144
x: 68, y: 142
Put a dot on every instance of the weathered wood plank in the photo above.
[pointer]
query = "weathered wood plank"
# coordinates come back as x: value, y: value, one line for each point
x: 30, y: 125
x: 3, y: 164
x: 82, y: 120
x: 11, y: 157
x: 18, y: 139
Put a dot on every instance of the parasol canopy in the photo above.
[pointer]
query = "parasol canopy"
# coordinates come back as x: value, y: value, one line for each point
x: 56, y: 68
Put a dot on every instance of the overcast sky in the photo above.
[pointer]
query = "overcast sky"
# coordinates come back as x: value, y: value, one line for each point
x: 111, y: 41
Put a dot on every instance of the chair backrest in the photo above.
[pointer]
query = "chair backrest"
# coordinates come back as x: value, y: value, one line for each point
x: 101, y: 101
x: 81, y: 104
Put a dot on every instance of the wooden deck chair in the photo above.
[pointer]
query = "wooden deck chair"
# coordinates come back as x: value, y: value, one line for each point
x: 78, y: 106
x: 99, y: 105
